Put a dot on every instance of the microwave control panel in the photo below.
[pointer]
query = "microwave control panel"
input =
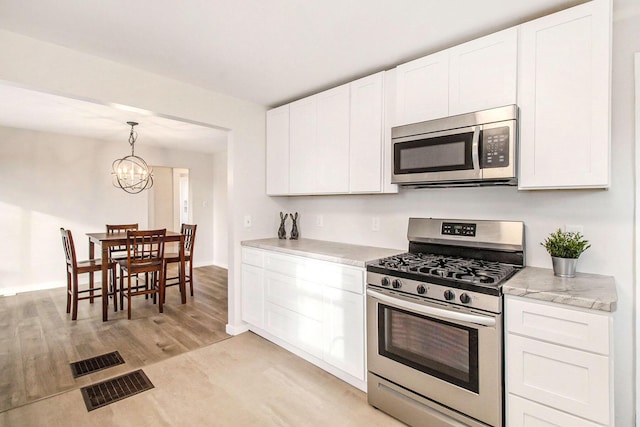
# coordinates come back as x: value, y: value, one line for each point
x: 495, y: 147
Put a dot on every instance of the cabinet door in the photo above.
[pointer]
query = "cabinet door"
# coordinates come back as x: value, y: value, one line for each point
x: 302, y: 332
x: 482, y: 73
x: 253, y: 295
x: 294, y: 294
x: 570, y: 380
x: 423, y: 89
x: 331, y: 163
x: 524, y: 413
x: 365, y: 142
x: 303, y: 155
x: 563, y: 94
x: 344, y: 331
x: 278, y: 150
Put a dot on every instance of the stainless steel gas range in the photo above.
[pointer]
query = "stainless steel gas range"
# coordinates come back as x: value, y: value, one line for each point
x: 434, y: 323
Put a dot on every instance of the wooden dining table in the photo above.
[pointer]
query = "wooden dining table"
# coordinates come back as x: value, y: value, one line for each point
x: 109, y: 240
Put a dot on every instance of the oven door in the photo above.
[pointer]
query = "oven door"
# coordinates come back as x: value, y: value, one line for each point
x: 447, y: 355
x: 439, y: 156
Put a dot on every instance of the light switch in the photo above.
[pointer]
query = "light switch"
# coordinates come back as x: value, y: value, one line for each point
x: 375, y: 223
x: 247, y: 221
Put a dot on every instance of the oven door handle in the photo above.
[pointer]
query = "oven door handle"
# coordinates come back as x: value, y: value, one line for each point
x: 433, y: 311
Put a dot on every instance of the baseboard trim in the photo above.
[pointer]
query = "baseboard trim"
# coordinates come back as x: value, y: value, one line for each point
x: 11, y: 291
x: 236, y: 329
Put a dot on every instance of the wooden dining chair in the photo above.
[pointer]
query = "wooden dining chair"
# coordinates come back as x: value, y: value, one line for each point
x: 76, y: 268
x: 189, y: 232
x: 145, y: 255
x: 118, y: 253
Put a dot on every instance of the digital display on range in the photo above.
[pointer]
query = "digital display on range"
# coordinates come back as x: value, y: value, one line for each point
x: 459, y: 229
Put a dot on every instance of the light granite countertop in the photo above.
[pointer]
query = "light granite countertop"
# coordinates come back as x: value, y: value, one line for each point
x: 341, y: 253
x: 591, y: 291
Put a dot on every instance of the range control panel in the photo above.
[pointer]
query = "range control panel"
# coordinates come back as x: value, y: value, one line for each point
x: 459, y: 229
x: 495, y: 147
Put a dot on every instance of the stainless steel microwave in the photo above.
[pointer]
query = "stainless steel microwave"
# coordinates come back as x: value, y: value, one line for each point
x: 468, y: 149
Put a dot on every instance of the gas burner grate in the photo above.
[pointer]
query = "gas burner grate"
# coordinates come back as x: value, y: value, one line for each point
x: 460, y: 269
x: 106, y: 392
x: 95, y: 364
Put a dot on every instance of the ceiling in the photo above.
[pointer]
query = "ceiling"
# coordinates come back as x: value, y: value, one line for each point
x: 28, y: 109
x: 266, y: 51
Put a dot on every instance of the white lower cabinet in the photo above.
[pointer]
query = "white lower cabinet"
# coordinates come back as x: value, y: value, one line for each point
x: 252, y: 287
x: 344, y: 331
x: 310, y: 307
x: 523, y: 412
x: 558, y: 365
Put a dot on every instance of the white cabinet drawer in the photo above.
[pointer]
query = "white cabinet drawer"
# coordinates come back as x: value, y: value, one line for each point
x: 253, y: 257
x: 284, y: 264
x: 321, y: 272
x: 294, y: 294
x: 573, y: 328
x: 298, y: 330
x: 342, y: 277
x: 567, y: 379
x: 525, y: 413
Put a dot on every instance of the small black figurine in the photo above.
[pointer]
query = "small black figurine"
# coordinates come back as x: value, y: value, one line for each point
x: 282, y: 232
x: 294, y: 229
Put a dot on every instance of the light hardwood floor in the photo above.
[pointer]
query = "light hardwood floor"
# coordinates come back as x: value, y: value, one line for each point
x: 241, y: 381
x: 38, y: 339
x: 201, y: 376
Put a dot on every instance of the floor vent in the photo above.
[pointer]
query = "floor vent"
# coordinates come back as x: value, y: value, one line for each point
x: 106, y: 392
x: 94, y: 364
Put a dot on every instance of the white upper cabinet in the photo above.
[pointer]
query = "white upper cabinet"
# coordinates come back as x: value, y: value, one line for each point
x: 333, y: 142
x: 422, y: 89
x: 302, y: 144
x: 564, y: 98
x: 278, y: 150
x: 476, y: 75
x: 319, y: 143
x: 366, y: 135
x: 482, y: 73
x: 331, y: 163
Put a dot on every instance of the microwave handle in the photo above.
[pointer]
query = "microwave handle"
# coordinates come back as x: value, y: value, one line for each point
x: 475, y: 149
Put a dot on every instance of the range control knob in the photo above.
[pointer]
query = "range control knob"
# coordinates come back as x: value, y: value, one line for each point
x: 421, y: 289
x: 449, y: 295
x: 385, y: 281
x: 465, y: 299
x: 396, y: 283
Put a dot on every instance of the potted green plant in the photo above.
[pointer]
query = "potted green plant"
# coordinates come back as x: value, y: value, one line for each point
x: 565, y: 247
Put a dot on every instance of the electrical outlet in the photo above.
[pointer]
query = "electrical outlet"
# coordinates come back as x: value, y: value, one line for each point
x: 375, y: 223
x: 319, y: 221
x: 247, y: 221
x: 574, y: 228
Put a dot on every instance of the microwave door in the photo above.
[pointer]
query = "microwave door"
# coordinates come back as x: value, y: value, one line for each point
x: 440, y: 156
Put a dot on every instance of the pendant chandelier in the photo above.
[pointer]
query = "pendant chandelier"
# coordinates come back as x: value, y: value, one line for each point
x: 131, y: 173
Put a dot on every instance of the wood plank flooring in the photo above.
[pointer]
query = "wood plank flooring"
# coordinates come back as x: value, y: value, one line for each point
x: 38, y: 339
x: 242, y: 381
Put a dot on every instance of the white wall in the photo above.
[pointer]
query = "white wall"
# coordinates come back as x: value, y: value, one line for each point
x: 51, y: 68
x: 50, y: 181
x: 220, y: 219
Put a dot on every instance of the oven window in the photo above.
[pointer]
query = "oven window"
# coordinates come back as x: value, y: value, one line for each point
x: 444, y: 350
